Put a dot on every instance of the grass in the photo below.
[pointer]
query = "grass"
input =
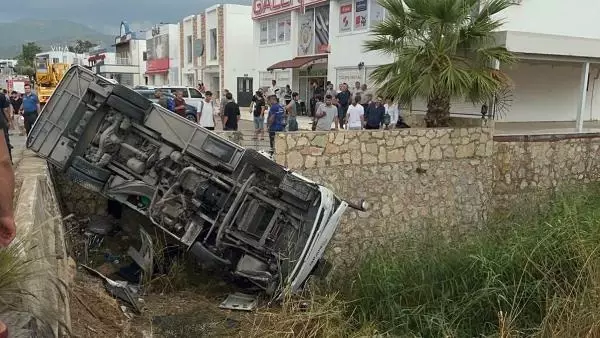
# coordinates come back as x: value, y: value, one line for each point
x: 533, y: 273
x: 18, y: 296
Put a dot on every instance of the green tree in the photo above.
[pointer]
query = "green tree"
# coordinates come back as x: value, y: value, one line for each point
x: 82, y: 46
x: 25, y: 70
x: 441, y: 49
x: 27, y: 56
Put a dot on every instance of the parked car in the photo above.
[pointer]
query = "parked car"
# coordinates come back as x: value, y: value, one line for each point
x: 190, y: 94
x: 190, y: 111
x: 229, y: 206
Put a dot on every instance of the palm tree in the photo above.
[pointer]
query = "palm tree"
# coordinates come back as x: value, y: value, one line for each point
x: 441, y: 49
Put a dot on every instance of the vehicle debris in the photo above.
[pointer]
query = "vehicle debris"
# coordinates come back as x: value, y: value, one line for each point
x: 229, y: 206
x: 240, y: 301
x: 119, y: 289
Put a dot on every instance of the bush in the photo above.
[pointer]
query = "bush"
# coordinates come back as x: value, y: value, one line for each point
x: 531, y: 274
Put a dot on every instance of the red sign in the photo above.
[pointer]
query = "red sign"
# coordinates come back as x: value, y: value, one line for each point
x: 157, y: 65
x: 264, y: 8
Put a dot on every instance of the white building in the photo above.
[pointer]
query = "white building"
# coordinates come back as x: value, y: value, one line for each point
x: 125, y: 62
x: 190, y: 50
x: 299, y: 42
x: 553, y: 82
x: 7, y: 66
x: 60, y: 56
x: 162, y: 55
x: 218, y: 51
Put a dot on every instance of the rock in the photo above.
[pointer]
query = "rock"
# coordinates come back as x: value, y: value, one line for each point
x: 294, y: 160
x: 410, y: 155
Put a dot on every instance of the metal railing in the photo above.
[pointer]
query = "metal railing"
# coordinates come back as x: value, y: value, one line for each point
x: 123, y: 61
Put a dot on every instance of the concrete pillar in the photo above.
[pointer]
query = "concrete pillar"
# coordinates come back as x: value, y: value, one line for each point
x: 585, y: 73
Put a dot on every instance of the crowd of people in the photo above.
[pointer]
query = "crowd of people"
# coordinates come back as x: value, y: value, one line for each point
x: 355, y: 109
x: 23, y: 108
x: 205, y: 113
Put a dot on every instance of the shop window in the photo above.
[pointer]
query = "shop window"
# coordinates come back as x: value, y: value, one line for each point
x: 189, y: 49
x: 213, y: 44
x: 359, y: 15
x: 275, y: 30
x: 313, y: 31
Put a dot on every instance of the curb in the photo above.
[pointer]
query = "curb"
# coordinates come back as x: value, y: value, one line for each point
x: 38, y: 219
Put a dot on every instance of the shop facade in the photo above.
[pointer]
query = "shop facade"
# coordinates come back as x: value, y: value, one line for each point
x: 221, y: 51
x: 162, y: 55
x: 302, y: 42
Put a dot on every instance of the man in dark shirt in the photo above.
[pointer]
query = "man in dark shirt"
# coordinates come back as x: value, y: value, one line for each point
x: 232, y: 114
x: 344, y: 102
x: 179, y: 103
x: 15, y: 101
x: 374, y: 114
x: 259, y: 114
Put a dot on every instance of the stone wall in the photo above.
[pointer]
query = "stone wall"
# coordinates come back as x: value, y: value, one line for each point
x: 410, y: 177
x: 528, y: 164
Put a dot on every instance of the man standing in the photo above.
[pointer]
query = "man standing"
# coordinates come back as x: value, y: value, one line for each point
x: 356, y: 91
x: 366, y: 96
x: 260, y: 105
x: 374, y: 114
x: 5, y: 122
x: 224, y: 102
x: 163, y: 100
x: 273, y: 90
x: 30, y: 108
x: 7, y: 181
x: 206, y: 112
x: 276, y: 116
x: 344, y: 97
x: 231, y: 116
x: 326, y: 114
x: 356, y: 115
x: 292, y: 110
x: 179, y: 103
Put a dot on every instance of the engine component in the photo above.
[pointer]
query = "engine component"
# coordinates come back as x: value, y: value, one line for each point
x: 136, y: 165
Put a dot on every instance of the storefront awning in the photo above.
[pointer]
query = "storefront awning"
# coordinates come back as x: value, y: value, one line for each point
x: 297, y: 62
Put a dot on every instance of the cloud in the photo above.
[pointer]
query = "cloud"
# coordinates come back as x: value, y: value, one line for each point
x: 109, y: 13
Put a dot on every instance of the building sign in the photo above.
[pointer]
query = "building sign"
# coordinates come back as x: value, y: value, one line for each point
x: 322, y: 29
x: 265, y: 8
x: 283, y: 78
x: 306, y: 33
x: 157, y: 53
x: 349, y: 76
x: 360, y: 15
x: 346, y: 17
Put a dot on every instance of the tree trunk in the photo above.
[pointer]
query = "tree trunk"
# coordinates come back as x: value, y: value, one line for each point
x: 438, y: 112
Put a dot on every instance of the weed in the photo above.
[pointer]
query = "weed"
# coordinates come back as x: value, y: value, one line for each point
x: 533, y: 278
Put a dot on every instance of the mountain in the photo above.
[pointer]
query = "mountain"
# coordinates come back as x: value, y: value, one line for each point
x: 45, y: 33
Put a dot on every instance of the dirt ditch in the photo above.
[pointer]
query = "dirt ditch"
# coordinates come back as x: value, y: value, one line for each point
x: 180, y: 301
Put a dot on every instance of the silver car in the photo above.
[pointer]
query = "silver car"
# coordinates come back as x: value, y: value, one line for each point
x: 229, y: 206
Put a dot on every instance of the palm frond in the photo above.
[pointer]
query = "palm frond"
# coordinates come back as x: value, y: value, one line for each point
x: 441, y: 49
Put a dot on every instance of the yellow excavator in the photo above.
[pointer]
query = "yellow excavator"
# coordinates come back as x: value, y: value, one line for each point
x: 47, y: 77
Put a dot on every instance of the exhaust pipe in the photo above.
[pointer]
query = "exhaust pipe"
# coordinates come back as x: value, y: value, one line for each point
x: 360, y: 206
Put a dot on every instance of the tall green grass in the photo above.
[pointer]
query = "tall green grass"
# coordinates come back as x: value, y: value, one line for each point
x: 534, y: 273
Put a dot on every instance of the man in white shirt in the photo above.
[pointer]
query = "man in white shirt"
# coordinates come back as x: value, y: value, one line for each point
x: 392, y: 109
x: 355, y: 117
x: 206, y: 112
x: 273, y: 90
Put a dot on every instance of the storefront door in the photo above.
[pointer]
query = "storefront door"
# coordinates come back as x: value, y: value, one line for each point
x: 306, y: 89
x: 244, y: 91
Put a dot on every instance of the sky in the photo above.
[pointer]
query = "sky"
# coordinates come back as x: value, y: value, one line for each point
x: 106, y: 15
